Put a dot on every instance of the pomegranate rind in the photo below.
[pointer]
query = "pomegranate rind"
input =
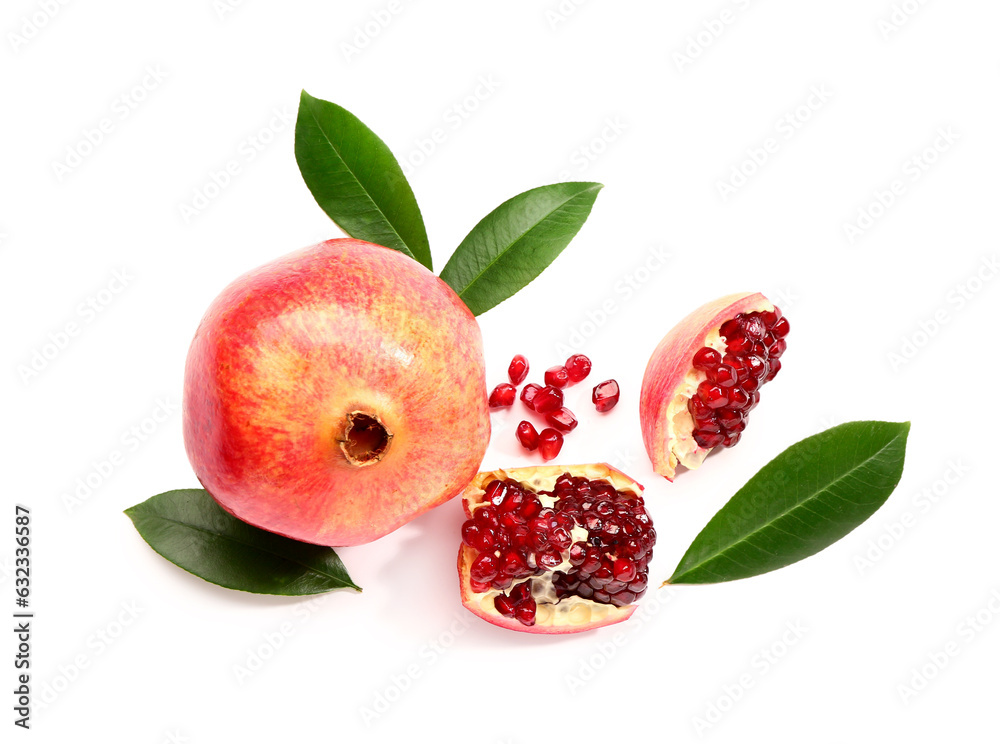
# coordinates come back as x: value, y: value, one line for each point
x: 539, y: 478
x: 667, y: 374
x: 289, y: 353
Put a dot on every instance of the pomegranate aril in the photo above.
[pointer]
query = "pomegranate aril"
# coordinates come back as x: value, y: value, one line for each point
x: 485, y: 568
x: 706, y: 358
x: 527, y: 435
x: 518, y: 369
x: 562, y: 419
x: 504, y: 605
x: 521, y: 592
x: 486, y: 516
x: 623, y: 598
x: 577, y: 553
x: 548, y: 559
x: 730, y: 329
x: 528, y: 393
x: 550, y: 442
x: 729, y: 418
x: 739, y: 345
x: 724, y: 375
x: 708, y: 439
x: 756, y: 365
x: 775, y: 365
x: 753, y: 327
x: 578, y: 367
x: 606, y: 395
x: 557, y: 376
x: 624, y: 570
x: 503, y: 395
x: 712, y: 395
x: 548, y: 399
x: 780, y: 328
x: 738, y: 397
x: 479, y: 537
x: 731, y: 440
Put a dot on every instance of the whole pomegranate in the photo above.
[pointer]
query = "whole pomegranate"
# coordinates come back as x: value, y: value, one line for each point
x: 705, y: 377
x: 336, y: 393
x: 554, y: 549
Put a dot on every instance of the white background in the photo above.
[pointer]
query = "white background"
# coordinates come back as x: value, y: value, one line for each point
x: 127, y: 647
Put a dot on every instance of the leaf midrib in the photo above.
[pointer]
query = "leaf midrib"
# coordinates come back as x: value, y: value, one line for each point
x: 798, y: 505
x: 520, y: 237
x: 358, y: 181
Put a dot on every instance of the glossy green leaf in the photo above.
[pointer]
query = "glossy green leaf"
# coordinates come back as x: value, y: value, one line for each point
x: 516, y: 241
x: 189, y: 529
x: 356, y: 180
x: 804, y: 500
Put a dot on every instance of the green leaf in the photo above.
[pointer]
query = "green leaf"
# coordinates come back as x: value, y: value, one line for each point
x: 516, y: 241
x: 189, y: 529
x: 804, y: 500
x: 356, y: 180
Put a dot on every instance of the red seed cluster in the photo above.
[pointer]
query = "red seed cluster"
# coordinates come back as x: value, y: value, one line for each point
x: 547, y: 401
x: 754, y: 343
x: 518, y: 539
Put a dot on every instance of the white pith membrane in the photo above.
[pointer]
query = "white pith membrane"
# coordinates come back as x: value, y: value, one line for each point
x: 571, y: 610
x: 680, y: 423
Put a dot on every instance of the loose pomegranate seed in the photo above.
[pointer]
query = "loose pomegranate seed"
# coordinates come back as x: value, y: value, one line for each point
x: 518, y: 369
x: 503, y: 395
x: 754, y: 341
x: 527, y: 435
x: 578, y: 367
x: 562, y: 419
x: 548, y: 399
x: 557, y: 376
x: 550, y: 442
x: 606, y: 395
x: 528, y: 393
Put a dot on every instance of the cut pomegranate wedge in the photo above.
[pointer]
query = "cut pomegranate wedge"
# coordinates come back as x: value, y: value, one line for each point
x: 704, y: 378
x: 554, y: 549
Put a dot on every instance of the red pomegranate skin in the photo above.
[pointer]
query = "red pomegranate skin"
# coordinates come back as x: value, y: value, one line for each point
x: 291, y: 351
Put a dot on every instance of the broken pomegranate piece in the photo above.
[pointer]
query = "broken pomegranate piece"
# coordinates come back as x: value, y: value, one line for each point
x: 705, y: 377
x: 554, y: 549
